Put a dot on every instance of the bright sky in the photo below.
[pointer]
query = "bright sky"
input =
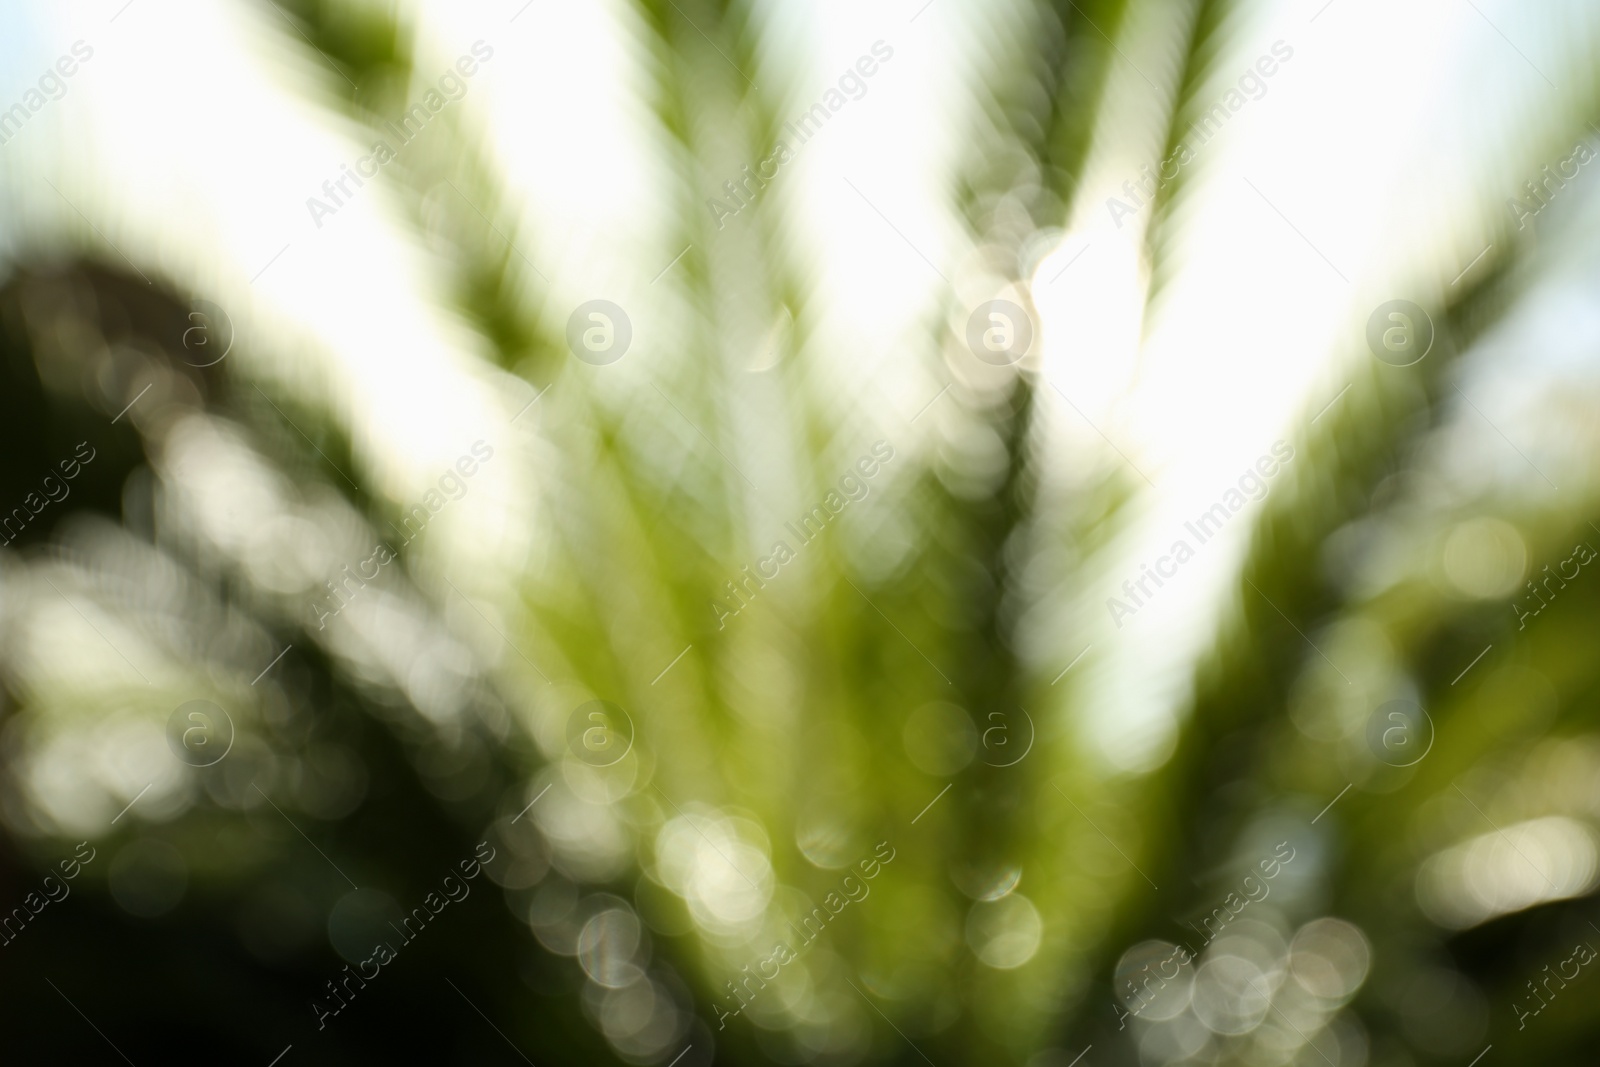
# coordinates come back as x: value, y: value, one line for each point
x: 1378, y: 143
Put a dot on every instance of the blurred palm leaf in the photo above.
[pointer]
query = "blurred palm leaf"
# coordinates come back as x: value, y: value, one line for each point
x: 773, y: 747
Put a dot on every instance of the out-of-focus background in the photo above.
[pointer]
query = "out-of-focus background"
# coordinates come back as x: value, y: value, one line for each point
x: 672, y: 532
